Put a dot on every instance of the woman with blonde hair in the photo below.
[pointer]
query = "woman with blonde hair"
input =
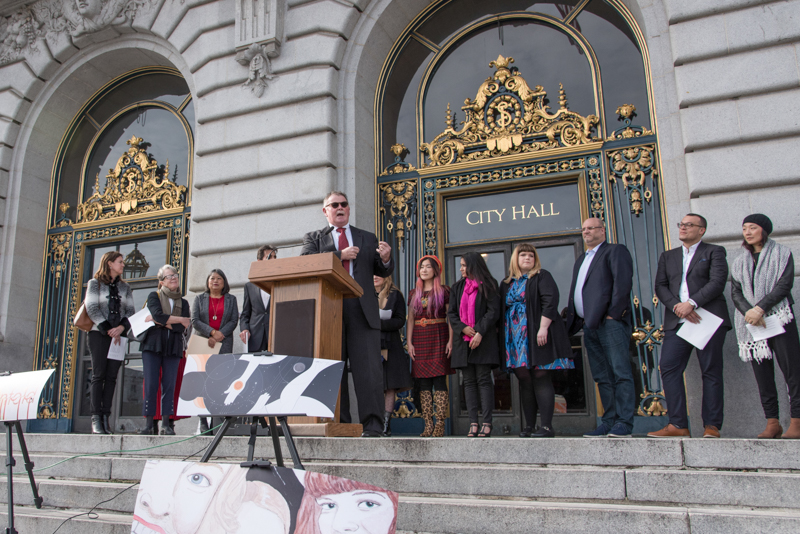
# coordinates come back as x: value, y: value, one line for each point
x: 396, y: 374
x: 430, y: 341
x: 530, y: 298
x: 109, y: 303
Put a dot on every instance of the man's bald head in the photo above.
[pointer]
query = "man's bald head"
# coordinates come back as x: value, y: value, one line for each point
x: 594, y: 232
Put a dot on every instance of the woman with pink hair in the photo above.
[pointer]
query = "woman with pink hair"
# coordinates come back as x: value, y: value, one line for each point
x: 430, y: 341
x: 333, y: 505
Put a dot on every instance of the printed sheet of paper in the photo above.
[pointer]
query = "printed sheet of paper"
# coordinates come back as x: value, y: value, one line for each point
x: 773, y: 328
x: 184, y: 497
x: 247, y: 384
x: 385, y: 314
x: 20, y: 393
x: 138, y: 323
x: 118, y: 351
x: 199, y: 345
x: 699, y: 334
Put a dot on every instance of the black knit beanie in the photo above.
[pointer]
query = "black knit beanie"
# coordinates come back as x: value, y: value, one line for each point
x: 761, y: 220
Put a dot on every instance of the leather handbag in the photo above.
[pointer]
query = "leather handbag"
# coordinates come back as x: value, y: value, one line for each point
x: 82, y: 319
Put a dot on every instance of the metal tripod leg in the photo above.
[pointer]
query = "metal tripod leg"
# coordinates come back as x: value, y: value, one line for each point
x: 10, y: 481
x: 220, y: 434
x: 290, y: 443
x: 37, y: 500
x: 276, y: 442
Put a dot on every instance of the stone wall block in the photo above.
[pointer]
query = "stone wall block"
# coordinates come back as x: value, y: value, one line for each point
x: 41, y: 62
x: 293, y: 120
x: 19, y: 77
x: 218, y: 73
x: 12, y: 106
x: 147, y: 15
x: 201, y: 19
x: 8, y: 132
x: 743, y: 167
x: 287, y: 89
x: 211, y: 44
x: 268, y: 193
x: 6, y: 153
x: 172, y: 13
x: 749, y: 73
x: 680, y: 10
x: 3, y: 187
x: 286, y: 155
x: 323, y: 16
x: 698, y: 39
x: 61, y: 47
x: 318, y: 49
x: 710, y: 124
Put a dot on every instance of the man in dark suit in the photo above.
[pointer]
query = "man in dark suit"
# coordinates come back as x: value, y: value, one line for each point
x: 363, y: 256
x: 600, y: 302
x: 254, y: 319
x: 692, y: 276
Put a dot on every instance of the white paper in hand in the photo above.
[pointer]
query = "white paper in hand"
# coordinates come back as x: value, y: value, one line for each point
x: 199, y: 345
x: 385, y: 314
x: 138, y: 323
x: 773, y: 328
x: 699, y: 334
x: 117, y: 351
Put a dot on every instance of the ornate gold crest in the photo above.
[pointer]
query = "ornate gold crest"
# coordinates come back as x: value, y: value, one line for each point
x: 135, y: 185
x: 508, y: 117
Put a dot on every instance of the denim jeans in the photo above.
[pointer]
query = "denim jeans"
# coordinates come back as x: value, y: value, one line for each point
x: 155, y: 364
x: 609, y: 359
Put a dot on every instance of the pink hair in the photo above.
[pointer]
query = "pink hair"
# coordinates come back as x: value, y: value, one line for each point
x: 436, y: 303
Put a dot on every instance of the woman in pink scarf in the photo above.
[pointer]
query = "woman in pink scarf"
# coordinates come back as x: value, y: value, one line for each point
x: 474, y: 312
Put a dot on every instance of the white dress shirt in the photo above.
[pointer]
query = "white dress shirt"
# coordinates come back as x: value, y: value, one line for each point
x: 349, y: 234
x: 587, y: 262
x: 688, y: 254
x: 264, y: 298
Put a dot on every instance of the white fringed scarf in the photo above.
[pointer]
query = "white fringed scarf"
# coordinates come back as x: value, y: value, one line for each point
x: 771, y: 264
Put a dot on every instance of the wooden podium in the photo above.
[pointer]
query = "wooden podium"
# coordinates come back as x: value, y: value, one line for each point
x: 306, y: 295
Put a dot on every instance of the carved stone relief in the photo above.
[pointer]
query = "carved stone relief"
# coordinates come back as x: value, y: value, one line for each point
x: 258, y: 37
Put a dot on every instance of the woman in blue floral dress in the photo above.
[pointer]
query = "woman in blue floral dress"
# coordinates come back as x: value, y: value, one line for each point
x: 530, y: 297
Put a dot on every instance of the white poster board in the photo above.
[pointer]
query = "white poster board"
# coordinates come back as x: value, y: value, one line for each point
x: 19, y: 394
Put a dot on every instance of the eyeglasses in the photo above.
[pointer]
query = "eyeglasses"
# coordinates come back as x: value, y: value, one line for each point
x: 170, y: 277
x: 689, y: 226
x: 590, y: 228
x: 335, y: 205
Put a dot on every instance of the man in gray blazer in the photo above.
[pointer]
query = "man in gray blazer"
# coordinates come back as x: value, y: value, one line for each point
x: 254, y: 319
x: 363, y: 256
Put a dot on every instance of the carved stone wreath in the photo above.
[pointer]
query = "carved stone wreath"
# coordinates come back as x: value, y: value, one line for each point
x: 508, y: 117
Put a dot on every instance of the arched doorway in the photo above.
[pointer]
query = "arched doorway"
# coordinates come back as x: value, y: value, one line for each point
x: 121, y: 181
x: 562, y: 129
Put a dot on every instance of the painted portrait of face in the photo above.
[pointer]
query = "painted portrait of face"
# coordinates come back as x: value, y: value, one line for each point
x: 333, y: 505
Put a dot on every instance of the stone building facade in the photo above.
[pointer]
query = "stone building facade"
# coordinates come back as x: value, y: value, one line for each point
x: 288, y: 102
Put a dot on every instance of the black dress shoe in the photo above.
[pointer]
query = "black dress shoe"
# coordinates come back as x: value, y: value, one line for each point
x: 97, y: 425
x: 526, y: 432
x: 544, y: 432
x: 371, y: 434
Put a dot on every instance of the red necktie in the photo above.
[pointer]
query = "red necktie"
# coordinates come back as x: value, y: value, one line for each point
x: 343, y: 244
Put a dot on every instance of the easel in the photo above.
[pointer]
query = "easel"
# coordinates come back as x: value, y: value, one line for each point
x: 10, y: 463
x: 251, y: 444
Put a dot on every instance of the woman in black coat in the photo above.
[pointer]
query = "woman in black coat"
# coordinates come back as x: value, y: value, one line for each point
x: 162, y: 348
x: 475, y: 348
x: 396, y: 364
x: 530, y: 304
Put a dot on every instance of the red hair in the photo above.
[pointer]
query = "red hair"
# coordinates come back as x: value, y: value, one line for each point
x: 319, y: 485
x: 437, y: 301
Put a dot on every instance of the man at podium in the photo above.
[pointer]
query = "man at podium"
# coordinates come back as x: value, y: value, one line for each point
x: 363, y: 256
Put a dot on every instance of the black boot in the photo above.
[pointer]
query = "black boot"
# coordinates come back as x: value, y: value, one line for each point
x: 387, y: 424
x: 106, y: 424
x: 148, y: 427
x: 167, y: 428
x: 203, y: 428
x: 97, y: 425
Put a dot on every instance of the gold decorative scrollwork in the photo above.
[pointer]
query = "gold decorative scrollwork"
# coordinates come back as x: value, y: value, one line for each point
x: 648, y: 334
x: 63, y: 220
x: 596, y: 194
x: 508, y: 117
x: 430, y: 223
x: 497, y: 175
x: 399, y: 166
x: 60, y: 249
x: 136, y: 185
x: 399, y: 208
x: 632, y: 165
x: 626, y: 113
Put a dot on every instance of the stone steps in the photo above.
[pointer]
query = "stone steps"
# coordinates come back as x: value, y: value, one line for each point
x: 459, y: 485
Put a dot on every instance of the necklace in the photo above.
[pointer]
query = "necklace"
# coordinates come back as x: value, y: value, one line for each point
x: 214, y: 306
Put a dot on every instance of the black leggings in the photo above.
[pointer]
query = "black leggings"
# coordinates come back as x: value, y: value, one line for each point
x: 439, y: 383
x: 786, y: 347
x: 478, y: 391
x: 104, y: 373
x: 536, y: 391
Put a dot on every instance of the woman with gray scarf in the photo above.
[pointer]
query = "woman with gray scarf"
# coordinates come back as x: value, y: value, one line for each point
x: 761, y: 285
x: 162, y: 348
x: 109, y: 303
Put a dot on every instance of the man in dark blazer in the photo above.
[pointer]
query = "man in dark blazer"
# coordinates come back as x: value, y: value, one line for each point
x: 363, y: 256
x: 689, y: 277
x: 254, y: 319
x: 600, y: 302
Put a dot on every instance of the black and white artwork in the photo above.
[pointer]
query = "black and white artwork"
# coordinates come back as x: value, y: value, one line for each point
x: 249, y: 384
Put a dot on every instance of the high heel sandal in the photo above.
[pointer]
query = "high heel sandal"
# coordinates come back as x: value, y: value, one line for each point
x: 483, y: 433
x: 473, y: 430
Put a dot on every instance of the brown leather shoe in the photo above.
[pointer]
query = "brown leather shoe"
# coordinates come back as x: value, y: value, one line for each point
x: 711, y: 432
x: 670, y: 431
x: 773, y: 430
x: 793, y: 432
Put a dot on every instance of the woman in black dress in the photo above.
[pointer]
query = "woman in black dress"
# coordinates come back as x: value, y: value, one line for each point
x: 474, y: 312
x: 396, y: 373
